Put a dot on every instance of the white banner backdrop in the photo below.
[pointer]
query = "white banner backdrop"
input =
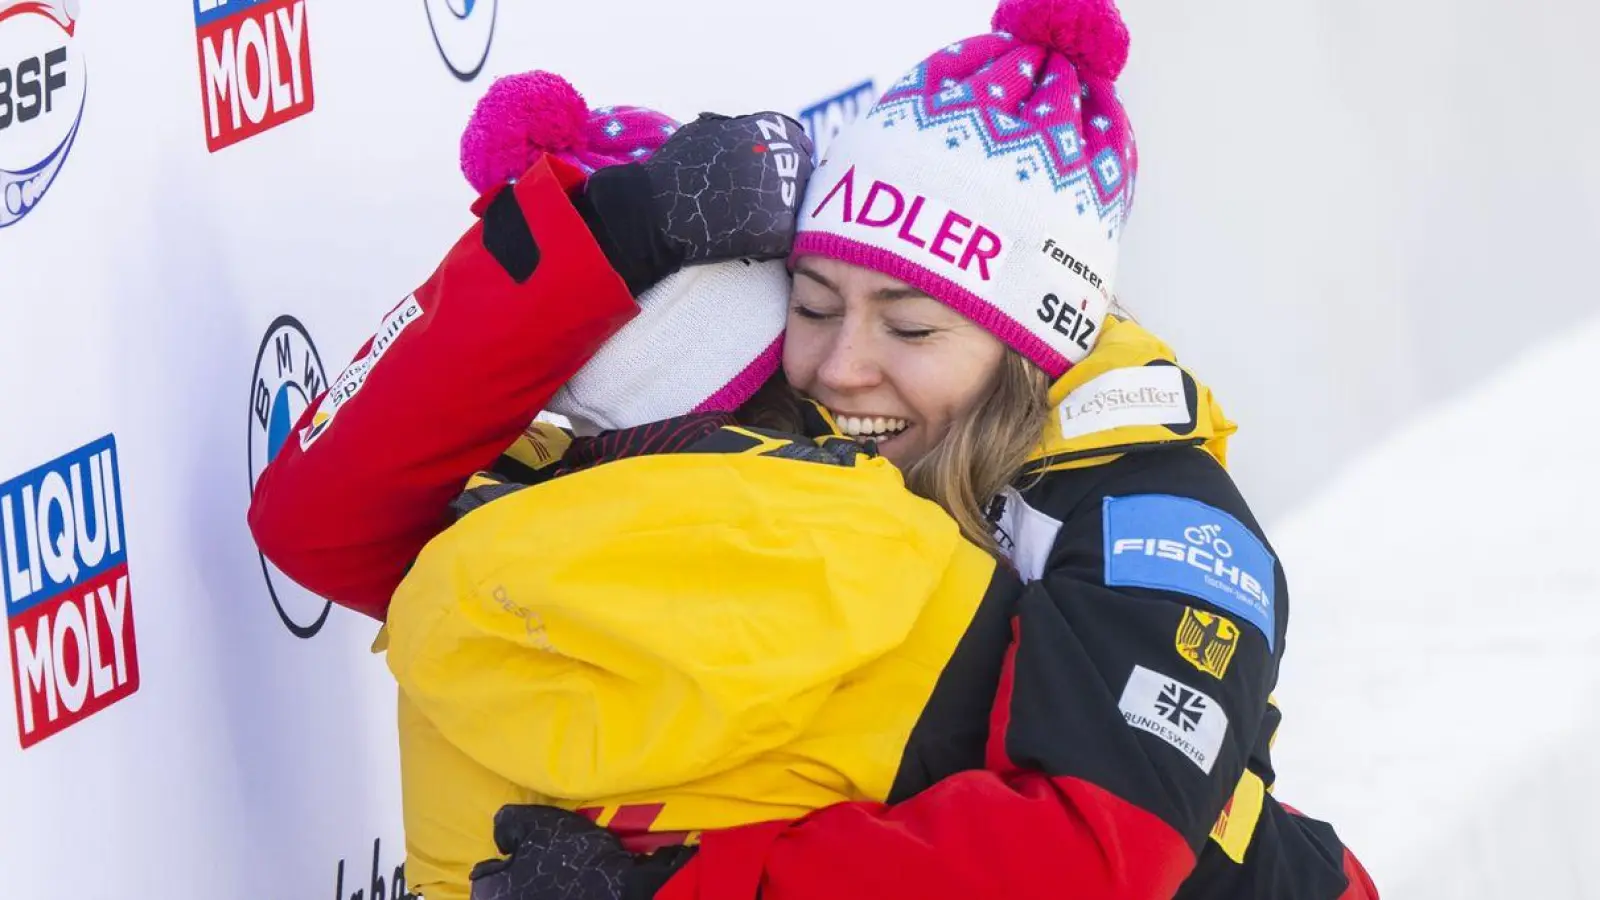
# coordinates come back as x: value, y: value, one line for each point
x: 205, y: 207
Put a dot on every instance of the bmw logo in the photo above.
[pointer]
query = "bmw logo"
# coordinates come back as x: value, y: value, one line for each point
x: 463, y: 31
x: 288, y: 376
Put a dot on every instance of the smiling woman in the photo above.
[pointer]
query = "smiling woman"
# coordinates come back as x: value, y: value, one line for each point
x: 939, y: 396
x: 871, y: 348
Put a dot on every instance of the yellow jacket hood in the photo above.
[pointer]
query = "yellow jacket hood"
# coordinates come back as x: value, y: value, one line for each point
x: 656, y: 620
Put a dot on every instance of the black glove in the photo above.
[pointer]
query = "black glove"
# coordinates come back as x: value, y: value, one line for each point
x: 553, y: 854
x: 720, y: 188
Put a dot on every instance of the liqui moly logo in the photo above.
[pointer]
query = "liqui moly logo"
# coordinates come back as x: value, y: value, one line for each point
x: 911, y: 225
x: 68, y: 604
x: 255, y: 66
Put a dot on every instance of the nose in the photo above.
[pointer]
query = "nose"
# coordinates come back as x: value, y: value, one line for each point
x: 850, y: 363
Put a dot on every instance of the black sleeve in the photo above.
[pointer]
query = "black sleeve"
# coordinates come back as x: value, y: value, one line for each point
x: 1146, y: 652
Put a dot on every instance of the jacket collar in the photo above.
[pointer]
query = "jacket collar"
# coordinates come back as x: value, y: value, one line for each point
x: 1126, y: 396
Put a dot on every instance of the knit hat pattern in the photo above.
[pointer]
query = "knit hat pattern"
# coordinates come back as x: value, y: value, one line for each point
x: 524, y: 115
x: 996, y: 176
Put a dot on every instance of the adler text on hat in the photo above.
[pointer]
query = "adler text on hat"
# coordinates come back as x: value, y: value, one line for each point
x: 912, y: 225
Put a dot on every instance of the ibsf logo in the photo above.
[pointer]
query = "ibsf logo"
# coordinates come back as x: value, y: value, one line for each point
x: 824, y: 120
x: 69, y: 610
x: 289, y: 375
x: 43, y: 89
x: 463, y: 31
x: 255, y: 66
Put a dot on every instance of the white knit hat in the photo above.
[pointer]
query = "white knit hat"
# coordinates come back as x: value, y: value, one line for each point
x: 996, y: 177
x: 705, y: 340
x: 706, y: 337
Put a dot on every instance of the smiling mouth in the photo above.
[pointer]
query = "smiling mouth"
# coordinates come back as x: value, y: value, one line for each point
x: 871, y: 428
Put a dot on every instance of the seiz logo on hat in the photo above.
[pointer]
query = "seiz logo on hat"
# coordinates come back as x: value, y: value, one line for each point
x: 913, y: 226
x: 1074, y: 322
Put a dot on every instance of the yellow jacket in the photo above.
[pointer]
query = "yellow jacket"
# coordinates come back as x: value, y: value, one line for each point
x: 693, y: 641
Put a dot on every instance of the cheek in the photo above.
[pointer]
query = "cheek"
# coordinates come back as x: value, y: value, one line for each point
x: 944, y: 387
x: 930, y: 387
x: 800, y: 354
x: 976, y: 378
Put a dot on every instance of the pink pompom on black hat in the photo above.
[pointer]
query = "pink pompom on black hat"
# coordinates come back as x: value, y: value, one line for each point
x: 666, y: 361
x: 522, y: 116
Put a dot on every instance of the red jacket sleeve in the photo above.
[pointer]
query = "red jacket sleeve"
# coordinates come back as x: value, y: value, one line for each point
x: 1112, y: 749
x: 976, y: 834
x: 453, y: 375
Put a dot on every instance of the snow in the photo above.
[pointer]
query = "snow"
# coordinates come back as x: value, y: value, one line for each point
x: 1441, y: 686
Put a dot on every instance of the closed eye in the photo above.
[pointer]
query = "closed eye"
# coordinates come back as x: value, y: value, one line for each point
x: 805, y: 313
x: 912, y: 334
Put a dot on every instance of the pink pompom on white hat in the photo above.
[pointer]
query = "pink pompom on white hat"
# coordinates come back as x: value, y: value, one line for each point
x: 667, y: 361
